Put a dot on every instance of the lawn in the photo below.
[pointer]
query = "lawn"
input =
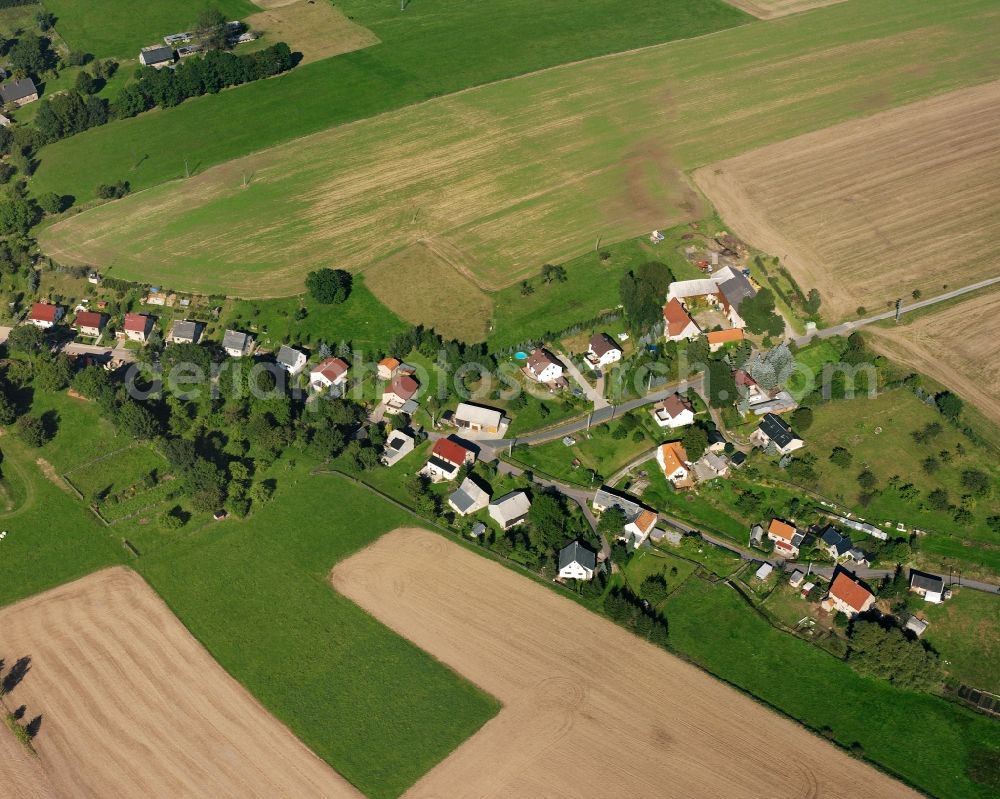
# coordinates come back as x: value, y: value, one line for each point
x: 51, y: 537
x: 647, y: 562
x: 379, y: 710
x: 878, y: 432
x: 966, y: 631
x: 82, y: 433
x: 119, y: 28
x: 469, y: 169
x: 715, y: 628
x: 114, y: 471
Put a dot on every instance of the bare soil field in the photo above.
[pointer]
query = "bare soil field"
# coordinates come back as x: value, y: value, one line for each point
x: 958, y: 346
x: 869, y: 210
x: 133, y: 706
x: 21, y: 775
x: 589, y: 710
x: 769, y: 9
x: 315, y: 29
x: 430, y: 284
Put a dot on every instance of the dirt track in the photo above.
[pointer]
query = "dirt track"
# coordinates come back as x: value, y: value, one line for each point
x: 959, y: 346
x: 769, y: 9
x: 133, y: 706
x: 869, y: 210
x: 589, y: 710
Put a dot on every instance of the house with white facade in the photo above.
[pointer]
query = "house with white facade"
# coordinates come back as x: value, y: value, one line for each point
x: 674, y: 411
x: 510, y: 510
x: 446, y: 459
x: 602, y: 351
x: 236, y: 343
x: 848, y: 595
x: 397, y: 446
x: 577, y: 562
x: 478, y: 420
x: 290, y: 359
x: 673, y: 460
x: 929, y: 586
x: 468, y: 498
x: 787, y: 539
x: 677, y: 322
x: 544, y: 367
x: 137, y: 327
x: 328, y: 374
x: 44, y: 314
x: 774, y: 430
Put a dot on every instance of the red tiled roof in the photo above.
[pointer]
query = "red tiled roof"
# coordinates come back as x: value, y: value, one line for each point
x: 743, y: 379
x: 389, y: 363
x: 781, y: 529
x: 404, y: 387
x: 850, y: 591
x: 675, y: 405
x: 89, y: 319
x: 44, y: 312
x: 136, y: 322
x: 540, y: 359
x: 645, y: 520
x: 449, y: 450
x: 725, y: 336
x: 676, y: 317
x: 674, y: 456
x: 332, y: 368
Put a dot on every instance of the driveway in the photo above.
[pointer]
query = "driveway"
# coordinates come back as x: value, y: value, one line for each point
x: 593, y: 394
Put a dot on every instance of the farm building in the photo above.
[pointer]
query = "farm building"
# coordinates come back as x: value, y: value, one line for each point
x: 446, y: 459
x: 45, y: 314
x: 184, y: 331
x: 677, y: 323
x: 510, y: 510
x: 475, y: 420
x: 674, y: 411
x: 157, y: 57
x: 18, y: 92
x: 603, y: 351
x: 726, y: 290
x: 329, y: 373
x: 468, y: 498
x: 90, y: 323
x: 137, y: 327
x: 577, y: 562
x: 717, y: 339
x: 290, y: 359
x: 237, y: 344
x: 397, y: 446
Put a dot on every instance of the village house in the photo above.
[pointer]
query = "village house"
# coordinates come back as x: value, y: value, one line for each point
x: 674, y: 411
x: 726, y: 290
x: 510, y: 510
x: 45, y: 314
x: 759, y: 401
x: 184, y: 331
x: 290, y: 359
x: 18, y: 92
x: 773, y: 430
x: 237, y: 344
x: 90, y: 323
x: 468, y: 498
x: 329, y: 373
x: 474, y: 420
x: 137, y: 327
x: 711, y: 467
x: 717, y: 339
x: 446, y: 459
x: 673, y: 460
x: 796, y: 579
x: 397, y: 446
x: 398, y: 395
x: 639, y: 520
x: 602, y: 351
x: 786, y: 538
x: 929, y: 586
x: 837, y: 546
x: 716, y: 442
x: 677, y: 323
x: 386, y: 368
x: 756, y: 536
x: 157, y: 56
x: 544, y: 367
x: 848, y: 595
x: 577, y: 562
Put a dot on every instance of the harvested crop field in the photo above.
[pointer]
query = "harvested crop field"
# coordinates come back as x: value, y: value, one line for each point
x: 870, y: 210
x: 958, y: 346
x: 769, y: 9
x: 133, y: 706
x: 315, y: 29
x: 430, y: 285
x: 577, y: 689
x: 535, y: 169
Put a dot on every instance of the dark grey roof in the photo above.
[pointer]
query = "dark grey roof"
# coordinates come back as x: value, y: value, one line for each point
x: 774, y: 428
x: 928, y: 582
x: 738, y: 458
x: 608, y: 499
x: 184, y: 328
x: 737, y: 289
x: 441, y: 465
x: 154, y: 55
x: 715, y: 437
x: 287, y: 356
x: 577, y: 553
x: 467, y: 495
x: 797, y: 538
x: 235, y: 340
x: 17, y: 90
x: 832, y: 537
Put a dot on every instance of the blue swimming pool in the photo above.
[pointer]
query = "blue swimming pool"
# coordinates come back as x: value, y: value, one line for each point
x: 521, y: 356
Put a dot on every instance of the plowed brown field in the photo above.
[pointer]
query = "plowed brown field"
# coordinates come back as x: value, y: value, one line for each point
x: 133, y: 706
x: 867, y: 211
x: 589, y: 709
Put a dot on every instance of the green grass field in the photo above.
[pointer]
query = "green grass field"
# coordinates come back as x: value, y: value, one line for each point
x: 966, y: 631
x: 119, y: 28
x: 716, y: 629
x: 560, y: 157
x: 378, y: 709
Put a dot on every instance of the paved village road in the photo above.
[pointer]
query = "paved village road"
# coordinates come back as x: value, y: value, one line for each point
x: 849, y: 327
